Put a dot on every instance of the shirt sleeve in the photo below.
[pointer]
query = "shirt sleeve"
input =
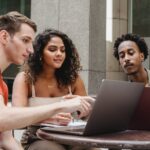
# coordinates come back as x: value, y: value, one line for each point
x: 1, y: 91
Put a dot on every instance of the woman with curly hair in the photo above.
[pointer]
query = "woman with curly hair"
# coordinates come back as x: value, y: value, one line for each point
x: 50, y: 73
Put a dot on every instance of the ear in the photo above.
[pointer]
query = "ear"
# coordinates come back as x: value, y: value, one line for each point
x: 142, y: 57
x: 4, y: 35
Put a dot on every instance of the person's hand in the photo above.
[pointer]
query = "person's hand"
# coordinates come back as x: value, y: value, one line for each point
x: 89, y: 99
x: 77, y: 103
x: 59, y: 119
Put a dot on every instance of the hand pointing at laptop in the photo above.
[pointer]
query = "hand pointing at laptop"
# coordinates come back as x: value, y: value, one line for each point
x: 86, y: 104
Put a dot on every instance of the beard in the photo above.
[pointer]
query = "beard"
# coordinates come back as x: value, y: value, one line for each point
x: 131, y: 72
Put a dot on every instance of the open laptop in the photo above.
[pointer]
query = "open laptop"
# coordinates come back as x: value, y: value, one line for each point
x: 113, y: 109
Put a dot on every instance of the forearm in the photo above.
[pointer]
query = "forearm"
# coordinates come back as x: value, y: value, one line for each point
x: 17, y: 117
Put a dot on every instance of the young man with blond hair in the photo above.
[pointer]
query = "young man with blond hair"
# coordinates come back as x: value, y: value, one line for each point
x: 16, y: 36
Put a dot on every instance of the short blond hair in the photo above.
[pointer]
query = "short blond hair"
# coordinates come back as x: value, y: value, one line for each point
x: 12, y: 21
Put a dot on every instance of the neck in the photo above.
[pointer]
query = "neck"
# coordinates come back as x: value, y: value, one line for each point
x: 48, y: 74
x: 49, y: 78
x: 4, y: 63
x: 141, y: 76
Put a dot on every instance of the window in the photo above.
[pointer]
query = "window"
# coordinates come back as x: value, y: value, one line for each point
x: 24, y: 7
x: 139, y: 17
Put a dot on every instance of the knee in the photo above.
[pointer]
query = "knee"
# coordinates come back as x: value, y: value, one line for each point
x: 46, y: 145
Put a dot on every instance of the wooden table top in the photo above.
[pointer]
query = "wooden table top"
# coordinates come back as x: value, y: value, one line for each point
x: 129, y: 139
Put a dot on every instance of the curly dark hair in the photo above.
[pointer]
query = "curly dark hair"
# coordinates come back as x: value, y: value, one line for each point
x: 131, y: 37
x: 68, y: 72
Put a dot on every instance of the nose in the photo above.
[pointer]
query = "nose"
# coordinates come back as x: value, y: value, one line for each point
x: 30, y: 49
x: 126, y: 58
x: 58, y: 52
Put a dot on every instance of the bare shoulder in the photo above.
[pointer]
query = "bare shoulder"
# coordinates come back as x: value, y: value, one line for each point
x: 20, y: 81
x: 20, y: 77
x: 20, y: 90
x: 78, y: 87
x: 78, y: 81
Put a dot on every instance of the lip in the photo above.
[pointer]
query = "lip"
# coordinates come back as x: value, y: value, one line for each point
x: 128, y: 65
x: 25, y: 56
x: 58, y: 60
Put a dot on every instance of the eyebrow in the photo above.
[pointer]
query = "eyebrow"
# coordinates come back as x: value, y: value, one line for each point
x: 128, y: 49
x: 55, y: 46
x: 120, y: 52
x: 26, y: 36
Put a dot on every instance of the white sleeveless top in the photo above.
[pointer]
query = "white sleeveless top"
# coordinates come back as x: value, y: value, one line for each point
x: 37, y: 101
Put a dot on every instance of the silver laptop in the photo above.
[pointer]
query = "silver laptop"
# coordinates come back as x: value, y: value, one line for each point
x: 115, y: 104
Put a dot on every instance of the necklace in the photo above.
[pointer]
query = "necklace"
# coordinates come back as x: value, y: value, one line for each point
x: 51, y: 86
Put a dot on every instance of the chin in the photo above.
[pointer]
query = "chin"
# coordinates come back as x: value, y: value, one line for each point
x: 58, y: 66
x: 128, y: 71
x: 131, y: 73
x: 19, y: 62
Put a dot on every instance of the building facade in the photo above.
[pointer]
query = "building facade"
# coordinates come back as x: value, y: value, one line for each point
x: 93, y: 25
